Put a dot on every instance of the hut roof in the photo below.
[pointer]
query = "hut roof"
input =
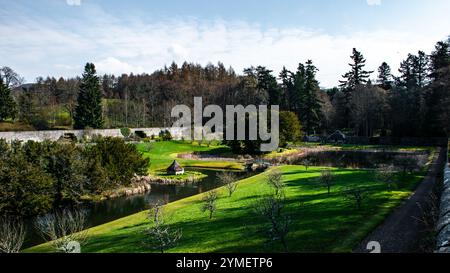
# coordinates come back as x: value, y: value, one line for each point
x: 175, y: 167
x: 337, y: 135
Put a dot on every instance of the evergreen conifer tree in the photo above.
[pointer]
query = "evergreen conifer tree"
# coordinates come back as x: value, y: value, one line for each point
x: 88, y: 112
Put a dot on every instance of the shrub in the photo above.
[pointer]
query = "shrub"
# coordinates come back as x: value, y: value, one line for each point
x: 165, y: 135
x: 126, y: 132
x: 121, y: 161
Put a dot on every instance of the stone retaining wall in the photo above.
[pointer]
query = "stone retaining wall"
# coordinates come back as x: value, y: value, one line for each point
x: 38, y: 136
x: 443, y: 225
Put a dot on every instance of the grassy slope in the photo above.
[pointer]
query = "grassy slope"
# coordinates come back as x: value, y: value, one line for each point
x: 320, y: 223
x: 162, y: 154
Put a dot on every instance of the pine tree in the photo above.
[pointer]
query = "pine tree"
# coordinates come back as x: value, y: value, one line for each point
x: 437, y: 97
x: 413, y: 71
x: 357, y: 75
x: 287, y: 84
x: 421, y: 68
x: 7, y: 103
x: 268, y: 83
x: 298, y: 90
x: 306, y: 88
x: 385, y: 76
x: 27, y: 109
x: 312, y: 111
x: 89, y: 109
x: 440, y: 59
x: 407, y: 77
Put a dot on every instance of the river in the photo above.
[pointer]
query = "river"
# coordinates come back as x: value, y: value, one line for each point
x: 113, y: 209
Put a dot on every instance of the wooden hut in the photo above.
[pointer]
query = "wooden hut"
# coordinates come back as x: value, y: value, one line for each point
x: 175, y: 169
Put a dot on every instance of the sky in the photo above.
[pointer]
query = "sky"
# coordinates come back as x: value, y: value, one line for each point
x: 57, y: 37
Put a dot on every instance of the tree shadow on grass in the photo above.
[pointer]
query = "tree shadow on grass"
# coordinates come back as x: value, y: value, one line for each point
x: 319, y: 222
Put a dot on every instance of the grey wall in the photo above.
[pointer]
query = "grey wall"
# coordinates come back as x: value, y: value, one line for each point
x: 39, y: 136
x: 443, y: 226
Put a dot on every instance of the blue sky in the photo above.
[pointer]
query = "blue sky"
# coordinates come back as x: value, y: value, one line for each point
x: 56, y: 37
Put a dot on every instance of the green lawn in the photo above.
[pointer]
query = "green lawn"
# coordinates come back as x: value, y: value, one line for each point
x: 162, y: 154
x: 320, y: 222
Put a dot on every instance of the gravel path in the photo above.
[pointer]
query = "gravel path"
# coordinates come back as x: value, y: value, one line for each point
x: 401, y: 232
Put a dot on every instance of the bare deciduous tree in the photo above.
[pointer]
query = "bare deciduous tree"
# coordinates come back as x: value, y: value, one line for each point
x: 271, y: 209
x: 229, y: 180
x: 307, y: 163
x: 274, y: 179
x: 12, y: 235
x: 386, y: 174
x: 327, y: 179
x: 356, y: 195
x: 65, y: 230
x: 368, y: 104
x: 160, y: 236
x: 10, y: 77
x: 209, y: 203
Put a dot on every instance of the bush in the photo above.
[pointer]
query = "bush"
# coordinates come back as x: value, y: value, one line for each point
x: 126, y: 132
x: 121, y: 161
x: 40, y: 123
x: 290, y: 128
x: 165, y: 135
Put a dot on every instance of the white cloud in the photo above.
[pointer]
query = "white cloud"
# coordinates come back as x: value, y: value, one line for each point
x: 40, y: 48
x: 112, y: 65
x: 373, y: 2
x: 73, y: 2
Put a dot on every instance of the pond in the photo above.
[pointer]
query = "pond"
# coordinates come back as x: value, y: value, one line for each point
x: 360, y: 159
x: 113, y: 209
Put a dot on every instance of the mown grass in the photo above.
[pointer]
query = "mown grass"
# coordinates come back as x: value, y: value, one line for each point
x: 320, y: 222
x: 163, y: 153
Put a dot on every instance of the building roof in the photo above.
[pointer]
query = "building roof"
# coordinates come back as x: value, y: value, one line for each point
x: 337, y: 135
x: 175, y: 167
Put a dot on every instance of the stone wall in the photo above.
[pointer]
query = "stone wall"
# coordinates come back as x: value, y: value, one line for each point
x: 443, y: 226
x: 38, y: 136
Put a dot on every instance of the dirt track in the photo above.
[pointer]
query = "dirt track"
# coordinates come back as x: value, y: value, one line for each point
x: 401, y: 232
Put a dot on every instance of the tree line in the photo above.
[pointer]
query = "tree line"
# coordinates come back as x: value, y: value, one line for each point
x: 414, y: 102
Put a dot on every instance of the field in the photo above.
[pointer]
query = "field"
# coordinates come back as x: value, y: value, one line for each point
x: 162, y: 154
x: 319, y: 222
